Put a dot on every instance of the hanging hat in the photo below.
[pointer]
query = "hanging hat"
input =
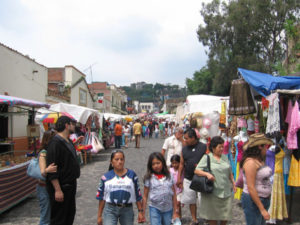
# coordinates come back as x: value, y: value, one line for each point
x: 257, y: 139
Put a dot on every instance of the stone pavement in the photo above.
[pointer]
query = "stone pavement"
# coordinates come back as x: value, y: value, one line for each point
x: 27, y: 212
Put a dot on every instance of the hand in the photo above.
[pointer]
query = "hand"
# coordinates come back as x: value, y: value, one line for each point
x: 265, y: 214
x: 179, y: 184
x: 79, y: 139
x: 99, y: 221
x: 52, y: 168
x: 59, y: 196
x: 210, y: 177
x: 234, y: 188
x: 141, y: 217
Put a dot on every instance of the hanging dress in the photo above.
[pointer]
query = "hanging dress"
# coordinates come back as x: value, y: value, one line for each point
x: 293, y: 119
x: 278, y: 209
x: 273, y: 122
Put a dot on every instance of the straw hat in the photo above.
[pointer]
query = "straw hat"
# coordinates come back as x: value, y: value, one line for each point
x: 257, y: 139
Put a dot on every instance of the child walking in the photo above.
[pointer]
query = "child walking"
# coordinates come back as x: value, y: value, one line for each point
x: 159, y: 186
x: 175, y: 161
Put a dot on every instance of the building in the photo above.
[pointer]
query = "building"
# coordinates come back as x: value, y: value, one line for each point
x: 114, y: 98
x: 147, y: 107
x: 68, y: 84
x: 23, y: 77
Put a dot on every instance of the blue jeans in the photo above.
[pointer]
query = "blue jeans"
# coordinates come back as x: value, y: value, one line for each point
x: 112, y: 214
x: 44, y: 205
x: 160, y: 218
x: 252, y: 213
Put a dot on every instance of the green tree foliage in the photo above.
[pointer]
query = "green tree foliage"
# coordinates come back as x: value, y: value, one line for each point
x: 241, y: 33
x: 154, y: 93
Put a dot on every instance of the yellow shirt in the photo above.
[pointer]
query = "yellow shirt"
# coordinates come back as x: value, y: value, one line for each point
x: 137, y: 128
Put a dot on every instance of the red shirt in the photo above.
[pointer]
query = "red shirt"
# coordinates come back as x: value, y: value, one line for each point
x: 118, y: 130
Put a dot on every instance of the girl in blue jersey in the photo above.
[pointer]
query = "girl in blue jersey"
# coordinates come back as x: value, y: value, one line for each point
x: 159, y: 186
x: 118, y: 189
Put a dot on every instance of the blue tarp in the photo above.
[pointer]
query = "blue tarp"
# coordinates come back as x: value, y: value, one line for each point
x: 265, y: 83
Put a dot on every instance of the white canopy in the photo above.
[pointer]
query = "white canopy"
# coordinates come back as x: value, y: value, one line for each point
x: 204, y: 103
x: 80, y: 113
x: 113, y: 117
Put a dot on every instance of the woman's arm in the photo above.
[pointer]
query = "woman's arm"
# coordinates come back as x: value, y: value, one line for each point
x: 250, y: 168
x: 204, y: 174
x: 141, y: 217
x: 232, y: 181
x: 100, y: 210
x: 42, y: 163
x: 52, y: 168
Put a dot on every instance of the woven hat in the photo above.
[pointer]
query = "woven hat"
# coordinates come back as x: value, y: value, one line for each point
x: 257, y: 139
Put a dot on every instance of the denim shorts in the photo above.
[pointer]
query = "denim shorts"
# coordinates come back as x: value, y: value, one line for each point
x: 252, y: 213
x: 112, y: 214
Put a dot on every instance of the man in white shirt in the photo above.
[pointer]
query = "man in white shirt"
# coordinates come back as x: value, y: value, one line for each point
x: 173, y: 145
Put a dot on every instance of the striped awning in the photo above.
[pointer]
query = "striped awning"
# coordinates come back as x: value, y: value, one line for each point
x: 12, y: 101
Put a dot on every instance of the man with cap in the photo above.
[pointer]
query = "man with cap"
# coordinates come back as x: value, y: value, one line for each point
x: 62, y: 185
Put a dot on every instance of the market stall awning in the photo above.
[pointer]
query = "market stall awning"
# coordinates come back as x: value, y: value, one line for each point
x: 265, y: 83
x: 12, y: 101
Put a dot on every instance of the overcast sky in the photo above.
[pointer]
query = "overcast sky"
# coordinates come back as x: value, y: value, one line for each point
x: 123, y: 41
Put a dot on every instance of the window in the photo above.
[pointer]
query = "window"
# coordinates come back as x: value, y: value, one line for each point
x: 82, y: 97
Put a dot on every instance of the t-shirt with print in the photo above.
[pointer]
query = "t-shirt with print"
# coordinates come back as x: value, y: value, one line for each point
x: 192, y: 155
x: 160, y: 192
x: 119, y: 190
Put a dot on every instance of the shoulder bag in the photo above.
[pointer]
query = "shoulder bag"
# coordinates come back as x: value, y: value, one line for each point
x: 33, y: 169
x: 201, y: 183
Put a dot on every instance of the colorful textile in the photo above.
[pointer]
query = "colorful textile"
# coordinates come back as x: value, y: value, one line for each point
x: 273, y: 122
x: 12, y: 101
x: 270, y: 159
x: 293, y: 119
x: 294, y: 176
x: 239, y: 191
x: 278, y: 209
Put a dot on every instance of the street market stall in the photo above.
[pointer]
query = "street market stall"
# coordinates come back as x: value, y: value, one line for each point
x: 15, y: 185
x: 267, y: 104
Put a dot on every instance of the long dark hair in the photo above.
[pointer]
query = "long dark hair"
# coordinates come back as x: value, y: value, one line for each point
x: 254, y: 153
x: 160, y: 157
x: 114, y: 152
x: 47, y: 136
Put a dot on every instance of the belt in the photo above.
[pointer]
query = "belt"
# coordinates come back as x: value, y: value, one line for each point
x: 121, y: 205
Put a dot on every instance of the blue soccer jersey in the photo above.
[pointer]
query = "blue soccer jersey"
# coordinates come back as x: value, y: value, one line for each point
x: 119, y: 190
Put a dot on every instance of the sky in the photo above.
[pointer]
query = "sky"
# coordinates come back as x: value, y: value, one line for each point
x: 117, y: 41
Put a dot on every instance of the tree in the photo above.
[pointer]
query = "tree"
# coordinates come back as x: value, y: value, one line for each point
x: 201, y: 83
x: 243, y: 33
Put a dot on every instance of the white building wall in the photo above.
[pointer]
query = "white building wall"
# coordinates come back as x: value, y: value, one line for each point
x: 24, y: 78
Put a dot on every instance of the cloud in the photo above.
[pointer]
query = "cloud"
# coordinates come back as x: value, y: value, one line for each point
x: 126, y: 41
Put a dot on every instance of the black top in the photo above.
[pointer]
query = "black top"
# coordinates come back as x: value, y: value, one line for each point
x: 63, y: 154
x: 192, y: 155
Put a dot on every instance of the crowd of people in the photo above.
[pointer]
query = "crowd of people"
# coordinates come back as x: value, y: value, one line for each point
x: 166, y: 182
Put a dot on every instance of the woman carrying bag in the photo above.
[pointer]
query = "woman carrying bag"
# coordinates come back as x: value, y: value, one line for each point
x: 217, y: 206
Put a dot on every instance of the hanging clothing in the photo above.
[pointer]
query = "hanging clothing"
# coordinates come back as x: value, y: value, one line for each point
x: 273, y: 122
x: 293, y: 119
x: 270, y: 159
x: 294, y: 175
x: 278, y: 209
x: 239, y: 191
x: 241, y: 101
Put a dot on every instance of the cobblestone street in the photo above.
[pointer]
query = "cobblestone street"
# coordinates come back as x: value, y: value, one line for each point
x: 27, y: 212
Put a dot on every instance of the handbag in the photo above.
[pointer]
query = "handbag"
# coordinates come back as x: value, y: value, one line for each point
x: 97, y: 146
x: 33, y: 169
x: 201, y: 183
